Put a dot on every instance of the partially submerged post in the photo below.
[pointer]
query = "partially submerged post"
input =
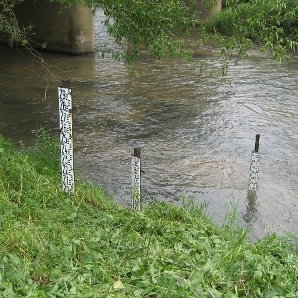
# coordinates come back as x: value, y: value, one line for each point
x: 136, y: 180
x: 254, y: 167
x: 66, y: 138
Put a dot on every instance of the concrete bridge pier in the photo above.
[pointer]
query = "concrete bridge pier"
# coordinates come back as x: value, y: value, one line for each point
x: 66, y: 31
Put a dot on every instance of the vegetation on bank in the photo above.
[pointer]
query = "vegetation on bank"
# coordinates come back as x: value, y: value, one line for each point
x: 271, y: 24
x: 85, y: 245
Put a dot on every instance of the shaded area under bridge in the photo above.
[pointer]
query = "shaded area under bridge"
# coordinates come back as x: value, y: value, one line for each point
x: 70, y: 31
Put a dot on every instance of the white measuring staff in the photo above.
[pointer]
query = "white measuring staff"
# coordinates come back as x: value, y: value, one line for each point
x: 136, y: 180
x: 66, y: 139
x: 254, y: 166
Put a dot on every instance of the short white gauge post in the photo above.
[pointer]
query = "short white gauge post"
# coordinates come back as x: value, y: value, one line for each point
x: 254, y: 166
x: 136, y: 180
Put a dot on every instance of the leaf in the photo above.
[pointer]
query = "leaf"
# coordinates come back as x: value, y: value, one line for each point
x: 40, y: 294
x: 271, y: 293
x: 258, y: 274
x: 118, y: 284
x: 230, y: 294
x: 214, y: 293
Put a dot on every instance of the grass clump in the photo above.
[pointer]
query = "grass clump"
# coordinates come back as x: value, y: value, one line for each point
x: 85, y: 245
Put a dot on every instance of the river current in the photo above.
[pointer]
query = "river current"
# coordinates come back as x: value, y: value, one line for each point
x: 196, y: 132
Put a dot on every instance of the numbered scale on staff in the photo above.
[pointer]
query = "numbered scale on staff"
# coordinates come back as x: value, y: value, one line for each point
x: 66, y: 140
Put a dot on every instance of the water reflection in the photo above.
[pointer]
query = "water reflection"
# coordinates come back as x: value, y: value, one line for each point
x: 250, y: 215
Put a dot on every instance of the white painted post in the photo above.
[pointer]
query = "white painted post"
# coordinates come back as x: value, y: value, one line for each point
x: 254, y: 167
x: 66, y: 138
x: 136, y: 180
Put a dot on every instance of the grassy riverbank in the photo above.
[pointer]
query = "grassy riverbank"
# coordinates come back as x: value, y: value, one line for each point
x: 58, y: 245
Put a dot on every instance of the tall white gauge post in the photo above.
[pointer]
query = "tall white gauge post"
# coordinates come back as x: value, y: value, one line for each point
x: 66, y: 136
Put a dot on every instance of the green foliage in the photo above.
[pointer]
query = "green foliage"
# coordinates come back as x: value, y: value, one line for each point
x: 9, y: 23
x: 45, y: 152
x: 162, y: 26
x: 153, y: 24
x: 272, y: 24
x: 58, y: 245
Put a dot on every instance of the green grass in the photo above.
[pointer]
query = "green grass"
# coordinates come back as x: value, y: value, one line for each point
x: 85, y: 245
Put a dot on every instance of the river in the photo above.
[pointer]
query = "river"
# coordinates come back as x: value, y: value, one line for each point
x: 196, y: 132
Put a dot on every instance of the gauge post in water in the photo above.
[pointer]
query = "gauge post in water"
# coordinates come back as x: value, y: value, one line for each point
x: 136, y: 180
x: 254, y: 166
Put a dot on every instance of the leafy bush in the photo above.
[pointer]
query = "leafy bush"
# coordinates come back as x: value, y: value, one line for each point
x: 272, y: 23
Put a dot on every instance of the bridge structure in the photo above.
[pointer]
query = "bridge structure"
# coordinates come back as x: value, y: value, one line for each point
x: 70, y: 31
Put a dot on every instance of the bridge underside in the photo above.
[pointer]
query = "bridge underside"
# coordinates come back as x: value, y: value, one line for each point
x: 69, y: 31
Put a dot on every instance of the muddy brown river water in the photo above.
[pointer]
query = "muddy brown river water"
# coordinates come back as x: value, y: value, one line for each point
x: 196, y: 133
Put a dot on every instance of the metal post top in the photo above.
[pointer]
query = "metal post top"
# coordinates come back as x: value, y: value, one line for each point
x: 257, y: 143
x: 65, y: 83
x: 137, y: 152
